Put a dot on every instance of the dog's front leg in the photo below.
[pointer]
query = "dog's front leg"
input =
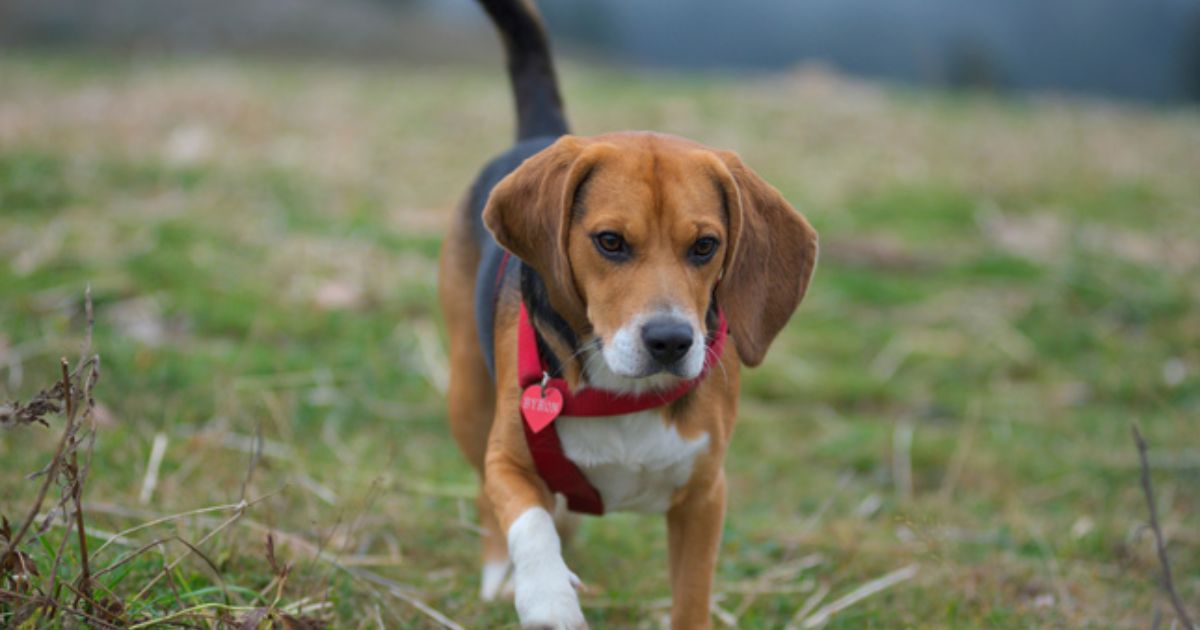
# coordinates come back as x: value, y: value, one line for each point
x: 545, y: 587
x: 694, y: 539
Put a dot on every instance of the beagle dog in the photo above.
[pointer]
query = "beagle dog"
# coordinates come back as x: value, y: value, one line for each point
x: 600, y: 294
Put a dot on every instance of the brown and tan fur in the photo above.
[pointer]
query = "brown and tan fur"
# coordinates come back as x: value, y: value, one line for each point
x: 661, y: 193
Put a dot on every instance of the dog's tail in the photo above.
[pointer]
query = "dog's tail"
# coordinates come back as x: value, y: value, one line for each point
x: 535, y: 87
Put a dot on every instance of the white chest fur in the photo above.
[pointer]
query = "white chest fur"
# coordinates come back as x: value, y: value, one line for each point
x: 635, y: 461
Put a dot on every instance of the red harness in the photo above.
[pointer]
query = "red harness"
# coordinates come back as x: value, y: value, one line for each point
x: 543, y: 399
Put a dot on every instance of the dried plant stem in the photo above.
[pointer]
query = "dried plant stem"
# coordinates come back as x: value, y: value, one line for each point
x: 825, y: 613
x: 41, y: 600
x: 171, y: 567
x: 810, y: 604
x: 191, y: 611
x: 92, y: 604
x: 76, y: 489
x: 400, y: 592
x: 1168, y: 582
x: 51, y: 475
x: 239, y: 506
x: 85, y: 577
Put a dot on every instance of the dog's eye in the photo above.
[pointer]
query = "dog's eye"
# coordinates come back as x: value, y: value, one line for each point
x: 703, y: 249
x: 611, y: 245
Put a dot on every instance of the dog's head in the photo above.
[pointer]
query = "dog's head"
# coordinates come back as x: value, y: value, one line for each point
x: 636, y: 233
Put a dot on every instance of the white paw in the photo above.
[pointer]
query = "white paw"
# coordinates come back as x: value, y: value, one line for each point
x: 547, y: 598
x: 545, y: 587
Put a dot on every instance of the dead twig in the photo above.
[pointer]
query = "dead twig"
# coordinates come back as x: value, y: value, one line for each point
x: 71, y: 396
x: 825, y: 613
x: 76, y: 485
x: 1168, y: 583
x: 47, y: 602
x: 402, y: 593
x: 241, y: 509
x: 159, y: 520
x: 51, y: 475
x: 809, y: 604
x: 255, y: 457
x: 150, y: 481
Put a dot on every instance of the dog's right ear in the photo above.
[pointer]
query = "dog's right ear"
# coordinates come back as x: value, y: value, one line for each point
x: 529, y: 214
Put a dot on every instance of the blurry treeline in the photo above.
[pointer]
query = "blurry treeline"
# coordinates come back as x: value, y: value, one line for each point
x: 1142, y: 49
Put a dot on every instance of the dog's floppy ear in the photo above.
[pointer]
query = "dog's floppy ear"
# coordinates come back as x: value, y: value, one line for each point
x: 529, y: 214
x: 769, y: 261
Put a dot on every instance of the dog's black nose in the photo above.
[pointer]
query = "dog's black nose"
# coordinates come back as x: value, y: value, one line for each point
x: 667, y: 340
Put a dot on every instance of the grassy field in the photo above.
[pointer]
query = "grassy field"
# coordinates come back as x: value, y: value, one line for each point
x: 1005, y: 286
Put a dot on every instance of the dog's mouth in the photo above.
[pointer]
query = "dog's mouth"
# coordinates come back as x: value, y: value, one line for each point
x: 652, y: 370
x: 674, y: 369
x: 621, y: 365
x: 602, y: 374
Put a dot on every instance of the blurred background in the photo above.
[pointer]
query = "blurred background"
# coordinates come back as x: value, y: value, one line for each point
x: 255, y: 190
x: 1136, y: 49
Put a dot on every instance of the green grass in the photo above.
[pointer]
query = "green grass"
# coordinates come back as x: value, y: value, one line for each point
x: 1015, y: 282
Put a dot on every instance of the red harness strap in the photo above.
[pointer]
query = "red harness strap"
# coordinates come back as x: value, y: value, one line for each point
x: 559, y: 473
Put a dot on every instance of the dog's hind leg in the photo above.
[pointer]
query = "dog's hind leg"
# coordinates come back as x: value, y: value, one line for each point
x: 465, y: 406
x: 471, y: 394
x: 496, y: 565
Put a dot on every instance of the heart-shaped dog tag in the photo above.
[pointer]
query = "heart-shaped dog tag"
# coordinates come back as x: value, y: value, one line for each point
x: 540, y: 406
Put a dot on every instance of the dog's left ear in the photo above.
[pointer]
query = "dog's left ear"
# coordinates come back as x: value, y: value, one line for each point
x: 529, y: 214
x: 769, y: 261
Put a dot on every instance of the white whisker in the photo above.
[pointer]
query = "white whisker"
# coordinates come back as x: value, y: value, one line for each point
x: 717, y: 361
